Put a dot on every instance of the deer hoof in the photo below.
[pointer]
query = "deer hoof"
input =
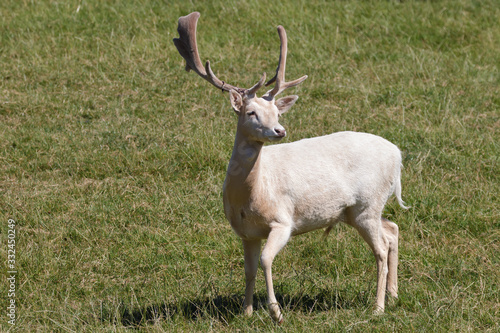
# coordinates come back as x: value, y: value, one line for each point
x: 378, y: 311
x: 274, y: 311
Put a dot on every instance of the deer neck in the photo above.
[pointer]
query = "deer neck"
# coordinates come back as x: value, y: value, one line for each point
x: 244, y: 168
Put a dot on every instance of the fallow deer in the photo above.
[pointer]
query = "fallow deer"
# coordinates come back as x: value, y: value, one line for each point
x: 278, y: 191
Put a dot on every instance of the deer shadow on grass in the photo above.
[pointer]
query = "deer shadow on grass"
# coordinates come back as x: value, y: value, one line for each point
x: 225, y: 308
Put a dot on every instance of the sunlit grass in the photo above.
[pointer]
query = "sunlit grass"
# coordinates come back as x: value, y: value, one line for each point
x: 113, y: 157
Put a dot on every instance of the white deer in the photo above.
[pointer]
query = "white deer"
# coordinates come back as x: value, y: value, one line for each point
x: 283, y: 190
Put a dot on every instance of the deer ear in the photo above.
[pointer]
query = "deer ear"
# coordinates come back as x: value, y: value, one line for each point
x: 236, y: 100
x: 285, y: 103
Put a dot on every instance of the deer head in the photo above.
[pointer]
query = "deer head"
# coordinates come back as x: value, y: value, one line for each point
x: 258, y: 116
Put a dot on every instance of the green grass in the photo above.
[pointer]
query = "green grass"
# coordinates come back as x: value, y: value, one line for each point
x: 112, y: 160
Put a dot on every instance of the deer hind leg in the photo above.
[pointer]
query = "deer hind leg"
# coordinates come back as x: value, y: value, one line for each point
x: 370, y: 228
x: 391, y: 231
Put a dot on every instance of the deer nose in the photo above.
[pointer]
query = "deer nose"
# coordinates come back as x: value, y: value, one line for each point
x: 280, y: 131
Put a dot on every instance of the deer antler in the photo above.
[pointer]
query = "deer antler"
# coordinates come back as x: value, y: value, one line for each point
x: 188, y: 49
x: 280, y: 71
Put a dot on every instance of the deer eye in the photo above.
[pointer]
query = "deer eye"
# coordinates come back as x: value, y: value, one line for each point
x: 251, y: 113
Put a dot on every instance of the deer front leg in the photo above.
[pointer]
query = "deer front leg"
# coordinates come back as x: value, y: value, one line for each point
x: 277, y: 239
x: 251, y: 249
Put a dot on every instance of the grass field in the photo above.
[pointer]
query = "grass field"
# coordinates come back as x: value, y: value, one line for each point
x: 112, y: 160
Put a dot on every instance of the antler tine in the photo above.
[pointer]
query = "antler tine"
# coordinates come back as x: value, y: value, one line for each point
x: 188, y: 49
x: 258, y: 85
x: 279, y: 78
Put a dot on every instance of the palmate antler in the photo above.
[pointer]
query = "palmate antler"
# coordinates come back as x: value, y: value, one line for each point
x: 188, y: 49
